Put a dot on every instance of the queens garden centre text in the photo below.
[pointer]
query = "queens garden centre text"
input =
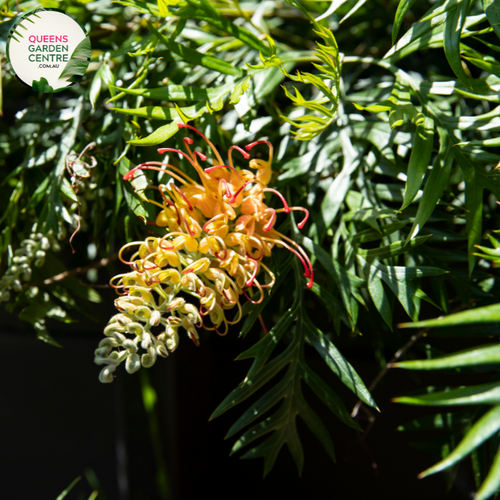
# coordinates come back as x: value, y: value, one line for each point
x: 48, y: 48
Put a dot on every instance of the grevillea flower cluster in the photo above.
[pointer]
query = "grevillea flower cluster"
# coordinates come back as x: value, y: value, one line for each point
x: 218, y: 232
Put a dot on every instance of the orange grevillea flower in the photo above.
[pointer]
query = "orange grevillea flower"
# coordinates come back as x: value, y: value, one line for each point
x: 218, y: 231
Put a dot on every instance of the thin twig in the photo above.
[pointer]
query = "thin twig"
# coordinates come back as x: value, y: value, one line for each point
x: 79, y: 270
x: 413, y: 340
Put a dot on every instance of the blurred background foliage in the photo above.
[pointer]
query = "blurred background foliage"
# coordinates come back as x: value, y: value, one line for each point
x: 384, y: 117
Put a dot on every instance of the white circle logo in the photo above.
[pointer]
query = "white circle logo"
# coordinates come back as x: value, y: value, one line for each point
x: 48, y: 50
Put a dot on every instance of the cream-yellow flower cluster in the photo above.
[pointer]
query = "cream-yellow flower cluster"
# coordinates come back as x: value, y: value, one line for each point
x: 218, y: 231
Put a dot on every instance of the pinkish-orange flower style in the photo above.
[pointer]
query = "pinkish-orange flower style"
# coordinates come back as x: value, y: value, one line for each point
x: 218, y: 232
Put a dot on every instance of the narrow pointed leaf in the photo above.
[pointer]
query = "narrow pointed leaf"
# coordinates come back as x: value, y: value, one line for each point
x: 338, y: 364
x: 419, y: 159
x: 434, y: 186
x: 491, y: 484
x: 472, y: 395
x: 453, y: 25
x: 484, y: 428
x: 486, y: 314
x: 492, y: 11
x: 403, y: 7
x: 472, y: 357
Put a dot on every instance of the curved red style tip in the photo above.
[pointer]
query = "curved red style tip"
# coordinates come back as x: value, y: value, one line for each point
x: 201, y: 155
x: 242, y: 151
x: 183, y: 125
x: 188, y: 140
x: 302, y: 223
x: 248, y: 147
x: 130, y: 174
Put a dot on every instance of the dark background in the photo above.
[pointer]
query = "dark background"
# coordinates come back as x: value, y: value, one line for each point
x: 58, y: 422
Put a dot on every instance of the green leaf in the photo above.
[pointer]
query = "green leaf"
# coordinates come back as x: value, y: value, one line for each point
x: 345, y: 281
x: 239, y: 90
x: 403, y: 7
x: 160, y: 135
x: 492, y: 11
x: 472, y: 395
x: 42, y: 86
x: 483, y: 429
x: 453, y: 25
x: 419, y: 159
x: 380, y: 299
x: 338, y: 364
x: 491, y: 484
x: 392, y: 250
x: 281, y: 273
x: 204, y: 11
x: 447, y: 421
x: 328, y: 396
x: 195, y: 57
x: 435, y: 185
x: 79, y: 60
x: 431, y: 19
x: 486, y: 314
x: 471, y: 357
x: 68, y: 489
x: 281, y: 426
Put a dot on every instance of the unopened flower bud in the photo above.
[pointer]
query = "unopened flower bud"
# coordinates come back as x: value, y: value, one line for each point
x: 176, y: 303
x: 143, y: 312
x: 136, y: 328
x: 146, y: 340
x: 133, y: 363
x: 113, y: 327
x: 130, y: 346
x: 161, y: 349
x: 155, y: 318
x: 102, y: 352
x: 45, y: 245
x: 149, y: 359
x: 106, y: 375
